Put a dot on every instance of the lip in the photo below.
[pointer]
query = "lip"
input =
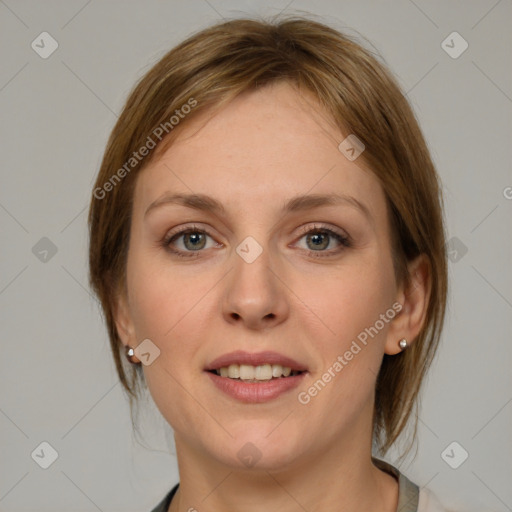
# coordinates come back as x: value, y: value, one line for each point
x: 255, y: 359
x: 256, y: 392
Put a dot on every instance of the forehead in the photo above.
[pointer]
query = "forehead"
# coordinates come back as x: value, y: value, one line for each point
x: 263, y: 148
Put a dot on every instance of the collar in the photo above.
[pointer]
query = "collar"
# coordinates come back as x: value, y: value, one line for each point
x: 408, y: 492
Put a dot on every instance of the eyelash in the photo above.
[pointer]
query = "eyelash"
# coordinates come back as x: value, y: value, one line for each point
x: 342, y: 239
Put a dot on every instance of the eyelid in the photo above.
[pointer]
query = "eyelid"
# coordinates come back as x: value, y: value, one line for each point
x: 342, y: 237
x: 304, y: 229
x: 184, y: 227
x: 183, y: 230
x: 318, y: 226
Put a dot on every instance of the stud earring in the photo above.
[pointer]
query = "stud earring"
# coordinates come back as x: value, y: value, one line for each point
x: 402, y: 344
x: 129, y: 354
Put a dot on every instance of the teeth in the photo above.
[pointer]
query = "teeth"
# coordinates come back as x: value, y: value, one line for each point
x: 261, y: 372
x: 234, y: 371
x: 277, y: 370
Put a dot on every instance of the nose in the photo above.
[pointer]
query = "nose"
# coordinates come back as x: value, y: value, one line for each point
x: 255, y: 295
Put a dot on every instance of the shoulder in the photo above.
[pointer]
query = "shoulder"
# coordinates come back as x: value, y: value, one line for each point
x: 428, y: 502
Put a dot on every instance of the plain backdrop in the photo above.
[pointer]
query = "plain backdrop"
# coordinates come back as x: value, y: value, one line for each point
x: 57, y: 380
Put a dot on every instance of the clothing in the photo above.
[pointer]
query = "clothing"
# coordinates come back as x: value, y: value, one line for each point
x: 163, y: 506
x: 410, y: 497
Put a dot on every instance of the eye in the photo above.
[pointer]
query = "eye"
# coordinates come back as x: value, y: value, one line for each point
x: 319, y: 238
x: 193, y: 241
x: 190, y: 241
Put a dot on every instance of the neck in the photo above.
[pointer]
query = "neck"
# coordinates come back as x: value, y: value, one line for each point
x: 341, y: 477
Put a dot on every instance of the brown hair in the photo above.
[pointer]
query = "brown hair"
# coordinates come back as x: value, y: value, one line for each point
x: 214, y: 66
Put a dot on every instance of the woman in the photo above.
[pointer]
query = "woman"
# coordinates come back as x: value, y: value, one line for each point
x: 267, y: 242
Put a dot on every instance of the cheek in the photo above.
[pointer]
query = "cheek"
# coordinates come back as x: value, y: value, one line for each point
x: 170, y: 307
x: 352, y: 344
x: 169, y: 311
x: 348, y: 301
x: 171, y: 319
x: 160, y: 297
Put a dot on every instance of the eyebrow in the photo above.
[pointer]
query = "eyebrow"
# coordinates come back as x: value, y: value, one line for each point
x: 295, y: 204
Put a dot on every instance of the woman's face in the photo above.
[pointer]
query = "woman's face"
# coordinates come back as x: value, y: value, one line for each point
x: 257, y: 282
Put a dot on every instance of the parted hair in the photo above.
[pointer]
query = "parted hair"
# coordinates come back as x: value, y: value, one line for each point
x: 353, y: 84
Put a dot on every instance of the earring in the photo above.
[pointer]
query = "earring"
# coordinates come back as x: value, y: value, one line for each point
x: 129, y: 354
x: 402, y: 344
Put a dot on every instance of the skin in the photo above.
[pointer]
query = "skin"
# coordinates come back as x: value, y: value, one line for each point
x: 264, y: 148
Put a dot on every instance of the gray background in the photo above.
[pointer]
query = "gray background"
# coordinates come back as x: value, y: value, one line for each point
x: 57, y: 379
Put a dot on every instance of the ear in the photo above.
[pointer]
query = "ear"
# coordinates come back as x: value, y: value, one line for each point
x: 124, y: 323
x: 414, y: 301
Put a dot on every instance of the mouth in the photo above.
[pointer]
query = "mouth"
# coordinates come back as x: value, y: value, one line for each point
x: 255, y: 384
x: 256, y: 374
x: 255, y: 367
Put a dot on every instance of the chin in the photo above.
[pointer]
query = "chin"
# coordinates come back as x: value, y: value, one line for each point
x: 255, y: 449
